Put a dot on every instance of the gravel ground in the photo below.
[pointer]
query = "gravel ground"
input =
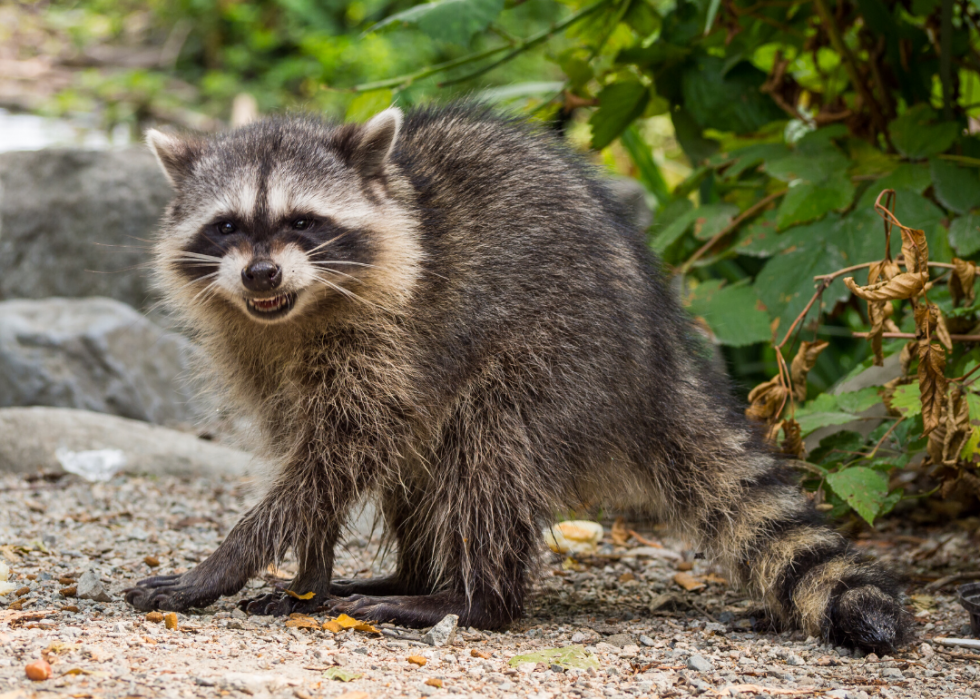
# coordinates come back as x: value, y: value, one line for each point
x: 641, y: 632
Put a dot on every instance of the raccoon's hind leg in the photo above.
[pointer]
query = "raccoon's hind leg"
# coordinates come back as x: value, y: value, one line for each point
x: 744, y: 508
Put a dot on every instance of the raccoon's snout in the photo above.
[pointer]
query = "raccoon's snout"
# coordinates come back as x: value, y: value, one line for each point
x: 262, y: 275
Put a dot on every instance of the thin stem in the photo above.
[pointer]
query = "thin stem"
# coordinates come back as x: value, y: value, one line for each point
x: 820, y: 289
x: 913, y: 336
x: 525, y: 45
x: 884, y: 437
x: 900, y: 259
x: 741, y: 218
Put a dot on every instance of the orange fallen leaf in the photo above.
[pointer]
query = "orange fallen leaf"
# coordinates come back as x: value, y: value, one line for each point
x: 298, y: 621
x: 434, y: 682
x: 308, y: 595
x: 685, y: 565
x: 348, y: 622
x: 480, y: 654
x: 332, y: 626
x: 712, y: 578
x: 646, y: 542
x: 170, y: 620
x: 688, y: 582
x: 417, y: 660
x: 154, y: 617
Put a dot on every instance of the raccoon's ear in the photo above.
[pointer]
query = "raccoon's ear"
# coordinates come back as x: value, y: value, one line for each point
x: 176, y: 155
x: 378, y: 139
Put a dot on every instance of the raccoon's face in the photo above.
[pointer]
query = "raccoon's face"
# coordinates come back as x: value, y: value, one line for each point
x: 283, y: 215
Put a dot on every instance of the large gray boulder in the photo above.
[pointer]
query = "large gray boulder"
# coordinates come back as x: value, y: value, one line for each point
x: 75, y: 223
x: 48, y: 439
x: 96, y: 354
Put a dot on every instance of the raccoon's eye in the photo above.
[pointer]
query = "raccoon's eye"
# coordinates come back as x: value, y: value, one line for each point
x: 225, y: 227
x: 302, y: 224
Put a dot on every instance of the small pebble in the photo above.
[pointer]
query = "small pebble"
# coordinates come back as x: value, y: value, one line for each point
x: 699, y: 663
x: 38, y: 671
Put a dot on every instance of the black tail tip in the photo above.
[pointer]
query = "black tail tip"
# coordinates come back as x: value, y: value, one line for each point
x: 868, y: 618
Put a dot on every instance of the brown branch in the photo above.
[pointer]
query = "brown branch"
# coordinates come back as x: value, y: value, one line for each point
x: 823, y: 286
x: 913, y: 336
x: 738, y: 221
x: 900, y: 259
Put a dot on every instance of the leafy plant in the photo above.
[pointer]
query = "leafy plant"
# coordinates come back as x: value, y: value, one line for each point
x: 792, y: 117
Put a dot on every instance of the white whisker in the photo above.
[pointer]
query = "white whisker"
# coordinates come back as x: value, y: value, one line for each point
x: 332, y: 240
x: 348, y: 292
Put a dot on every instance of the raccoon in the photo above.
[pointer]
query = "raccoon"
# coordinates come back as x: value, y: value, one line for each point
x: 445, y: 310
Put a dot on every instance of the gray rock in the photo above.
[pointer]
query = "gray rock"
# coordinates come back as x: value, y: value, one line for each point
x: 892, y: 673
x: 620, y: 640
x: 646, y: 640
x: 443, y: 632
x: 89, y: 586
x: 31, y: 437
x: 75, y: 223
x: 95, y: 354
x: 838, y: 694
x: 795, y: 660
x: 699, y: 663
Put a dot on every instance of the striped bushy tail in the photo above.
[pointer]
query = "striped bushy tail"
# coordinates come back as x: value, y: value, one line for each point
x: 774, y: 543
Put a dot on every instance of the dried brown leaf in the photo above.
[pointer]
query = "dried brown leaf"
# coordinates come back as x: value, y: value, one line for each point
x: 688, y: 582
x: 620, y: 534
x: 804, y: 360
x: 793, y: 439
x: 957, y: 426
x: 961, y: 281
x: 884, y: 270
x: 930, y: 324
x: 302, y: 622
x: 932, y: 385
x: 904, y: 286
x: 915, y: 249
x: 332, y: 626
x: 766, y: 401
x: 905, y: 356
x: 876, y: 312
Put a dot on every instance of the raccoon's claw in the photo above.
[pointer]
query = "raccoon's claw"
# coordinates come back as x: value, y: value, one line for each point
x: 413, y: 611
x: 173, y: 593
x: 869, y: 619
x: 278, y: 604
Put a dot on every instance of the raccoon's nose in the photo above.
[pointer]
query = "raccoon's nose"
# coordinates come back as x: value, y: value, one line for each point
x: 262, y: 275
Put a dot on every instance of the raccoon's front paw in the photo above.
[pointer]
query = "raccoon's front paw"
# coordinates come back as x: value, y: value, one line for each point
x: 172, y: 593
x: 278, y: 604
x: 869, y: 619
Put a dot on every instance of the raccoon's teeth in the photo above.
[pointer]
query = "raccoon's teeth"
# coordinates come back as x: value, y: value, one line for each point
x: 269, y: 305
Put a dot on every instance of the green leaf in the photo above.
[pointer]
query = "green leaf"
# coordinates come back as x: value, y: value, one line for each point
x: 809, y: 201
x: 575, y: 65
x: 731, y: 312
x: 750, y: 156
x: 619, y: 104
x: 642, y: 157
x: 727, y: 100
x: 907, y: 400
x: 973, y: 402
x: 858, y: 401
x: 567, y: 657
x: 713, y: 218
x: 814, y: 421
x: 862, y: 488
x: 340, y: 674
x: 366, y: 105
x: 828, y: 164
x: 914, y: 177
x: 689, y: 134
x: 823, y: 403
x: 836, y: 447
x: 712, y: 12
x: 642, y: 18
x: 964, y: 234
x: 785, y: 284
x: 916, y: 137
x: 455, y: 21
x: 761, y: 239
x: 957, y: 188
x: 676, y: 219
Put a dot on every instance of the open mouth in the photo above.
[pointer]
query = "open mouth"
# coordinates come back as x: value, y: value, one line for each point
x: 274, y: 307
